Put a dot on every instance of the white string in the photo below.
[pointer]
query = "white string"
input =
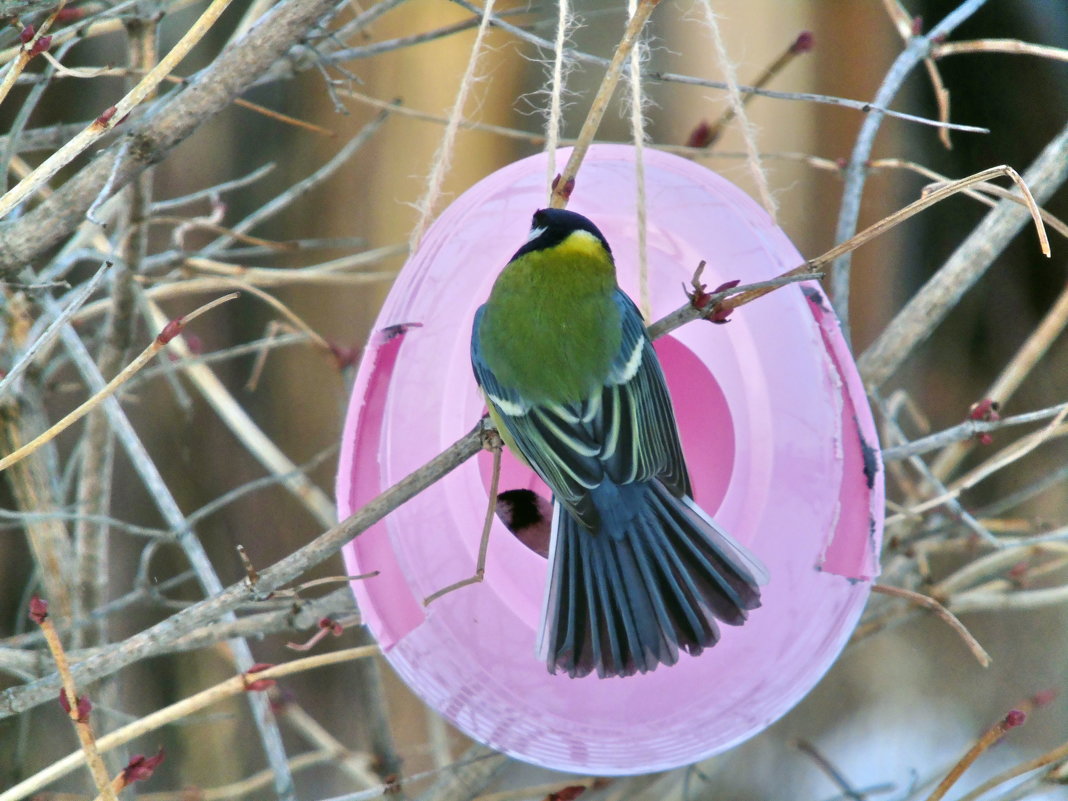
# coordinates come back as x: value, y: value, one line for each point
x: 443, y: 156
x: 555, y: 121
x: 637, y: 126
x: 734, y: 94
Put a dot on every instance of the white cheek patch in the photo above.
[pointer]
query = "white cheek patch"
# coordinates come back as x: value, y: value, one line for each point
x: 535, y: 233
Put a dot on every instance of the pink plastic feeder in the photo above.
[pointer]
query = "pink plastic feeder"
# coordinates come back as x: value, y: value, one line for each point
x: 778, y: 436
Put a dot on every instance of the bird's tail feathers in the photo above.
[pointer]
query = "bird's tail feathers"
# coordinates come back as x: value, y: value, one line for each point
x: 620, y: 605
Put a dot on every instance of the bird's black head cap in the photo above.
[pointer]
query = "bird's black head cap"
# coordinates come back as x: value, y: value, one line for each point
x: 550, y: 227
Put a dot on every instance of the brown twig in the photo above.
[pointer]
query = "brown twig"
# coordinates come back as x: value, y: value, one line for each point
x: 182, y: 709
x: 907, y: 27
x: 77, y: 708
x: 1049, y: 758
x: 930, y: 603
x: 936, y: 196
x: 241, y: 788
x: 496, y: 446
x: 985, y: 193
x: 989, y: 737
x: 943, y: 49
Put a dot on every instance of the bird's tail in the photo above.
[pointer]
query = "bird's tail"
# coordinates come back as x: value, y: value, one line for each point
x: 621, y: 603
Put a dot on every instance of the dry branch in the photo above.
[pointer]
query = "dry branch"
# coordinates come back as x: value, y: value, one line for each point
x: 915, y: 323
x: 152, y: 139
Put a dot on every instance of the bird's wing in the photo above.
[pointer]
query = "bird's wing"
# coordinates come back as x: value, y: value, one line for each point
x: 555, y: 439
x: 627, y: 431
x: 637, y: 423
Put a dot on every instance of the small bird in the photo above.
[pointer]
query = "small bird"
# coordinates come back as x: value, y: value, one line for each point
x: 637, y: 571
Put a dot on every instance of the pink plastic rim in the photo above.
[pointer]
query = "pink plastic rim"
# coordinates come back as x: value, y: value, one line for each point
x: 777, y: 433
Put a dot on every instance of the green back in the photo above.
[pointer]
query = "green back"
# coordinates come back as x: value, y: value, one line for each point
x: 551, y: 329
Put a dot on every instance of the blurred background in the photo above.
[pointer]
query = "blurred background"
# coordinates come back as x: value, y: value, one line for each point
x: 900, y: 706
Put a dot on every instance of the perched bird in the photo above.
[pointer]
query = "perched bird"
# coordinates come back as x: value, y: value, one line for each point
x: 637, y: 571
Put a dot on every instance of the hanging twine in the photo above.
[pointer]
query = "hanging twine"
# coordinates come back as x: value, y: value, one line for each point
x: 734, y: 95
x: 564, y: 22
x: 637, y: 127
x: 443, y: 157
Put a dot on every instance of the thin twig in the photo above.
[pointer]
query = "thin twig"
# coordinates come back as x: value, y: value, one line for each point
x: 1006, y: 456
x: 906, y: 28
x: 29, y: 49
x: 154, y: 347
x: 483, y: 546
x: 972, y: 573
x: 936, y: 196
x: 801, y: 44
x: 989, y: 737
x: 182, y: 709
x: 967, y: 430
x: 930, y: 603
x: 117, y: 113
x: 26, y: 358
x: 915, y: 322
x: 249, y: 433
x: 357, y: 766
x: 77, y: 708
x: 809, y: 97
x: 344, y: 271
x: 214, y: 191
x: 856, y: 170
x: 943, y: 49
x: 246, y: 786
x: 91, y: 27
x: 1013, y: 374
x: 828, y: 769
x: 1049, y: 758
x: 984, y: 192
x: 301, y: 188
x: 563, y: 186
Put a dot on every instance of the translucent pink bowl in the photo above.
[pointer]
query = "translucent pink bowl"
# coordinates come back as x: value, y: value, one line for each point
x: 778, y: 436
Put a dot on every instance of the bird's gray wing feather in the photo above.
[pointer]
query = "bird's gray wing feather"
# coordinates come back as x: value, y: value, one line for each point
x: 637, y: 423
x: 627, y: 431
x: 553, y: 438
